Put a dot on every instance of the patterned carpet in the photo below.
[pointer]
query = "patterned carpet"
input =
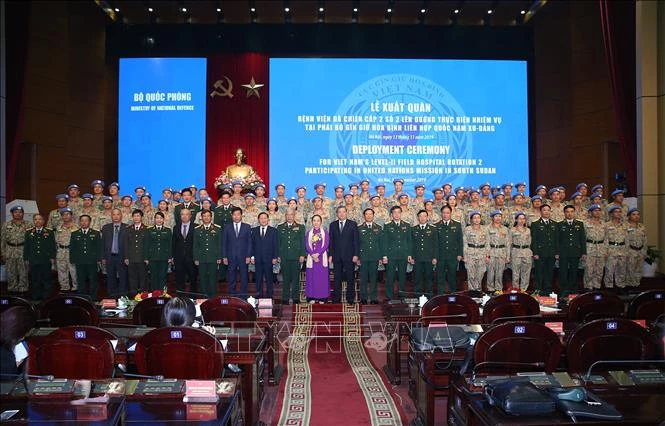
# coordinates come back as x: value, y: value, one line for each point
x: 330, y: 379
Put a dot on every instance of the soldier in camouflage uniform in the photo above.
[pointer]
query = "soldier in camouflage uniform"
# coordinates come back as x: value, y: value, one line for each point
x: 352, y: 210
x: 381, y: 214
x: 507, y: 190
x: 418, y: 202
x: 499, y: 251
x: 637, y: 248
x: 321, y: 211
x: 250, y: 214
x: 54, y: 218
x: 439, y: 201
x: 75, y: 201
x: 521, y: 255
x: 206, y: 204
x: 326, y: 202
x: 517, y: 205
x: 63, y: 265
x: 275, y: 216
x: 485, y: 197
x: 13, y: 240
x: 282, y: 201
x: 616, y: 231
x: 169, y: 220
x: 474, y: 206
x: 541, y: 190
x: 556, y: 212
x: 381, y: 193
x: 447, y: 189
x: 148, y: 210
x: 577, y: 201
x: 476, y: 251
x: 398, y: 184
x: 89, y: 209
x: 304, y: 205
x: 299, y: 217
x: 408, y: 214
x: 104, y: 216
x: 596, y: 248
x: 338, y: 201
x: 97, y: 193
x: 583, y: 189
x: 127, y: 208
x: 114, y: 193
x: 432, y: 215
x: 364, y: 195
x: 533, y: 214
x: 617, y: 201
x: 500, y: 205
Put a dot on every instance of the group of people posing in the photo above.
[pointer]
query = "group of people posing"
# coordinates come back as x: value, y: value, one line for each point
x: 484, y: 230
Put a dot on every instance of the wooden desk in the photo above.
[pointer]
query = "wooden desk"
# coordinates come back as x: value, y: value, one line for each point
x: 244, y: 348
x: 62, y: 412
x: 640, y: 405
x: 399, y: 321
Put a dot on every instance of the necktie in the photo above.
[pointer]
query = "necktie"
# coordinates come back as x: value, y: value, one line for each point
x: 341, y: 226
x: 447, y: 223
x: 114, y: 244
x: 263, y: 232
x: 237, y: 230
x: 184, y: 230
x: 422, y: 227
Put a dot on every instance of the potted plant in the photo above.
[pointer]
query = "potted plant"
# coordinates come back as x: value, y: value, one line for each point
x: 651, y: 261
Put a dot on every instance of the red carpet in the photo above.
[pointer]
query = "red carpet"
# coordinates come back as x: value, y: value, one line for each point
x: 330, y: 380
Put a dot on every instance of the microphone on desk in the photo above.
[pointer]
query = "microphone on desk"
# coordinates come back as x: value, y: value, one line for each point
x: 47, y: 377
x: 517, y: 318
x: 587, y: 376
x: 191, y: 293
x: 505, y: 364
x: 123, y: 369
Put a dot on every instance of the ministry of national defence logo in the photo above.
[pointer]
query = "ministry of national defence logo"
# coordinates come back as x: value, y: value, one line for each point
x: 381, y: 98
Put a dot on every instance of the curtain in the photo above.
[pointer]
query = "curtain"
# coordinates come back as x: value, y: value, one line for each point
x: 240, y: 121
x: 618, y: 26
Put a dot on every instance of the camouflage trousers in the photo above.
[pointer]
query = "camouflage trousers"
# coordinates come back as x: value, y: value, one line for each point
x: 17, y: 275
x: 634, y: 268
x: 615, y: 271
x: 65, y: 270
x: 593, y: 271
x: 475, y: 269
x: 521, y: 272
x: 495, y: 273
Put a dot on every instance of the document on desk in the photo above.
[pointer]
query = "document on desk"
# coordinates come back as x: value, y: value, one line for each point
x: 549, y: 309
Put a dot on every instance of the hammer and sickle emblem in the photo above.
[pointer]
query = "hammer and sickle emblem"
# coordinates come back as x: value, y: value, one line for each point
x: 223, y: 90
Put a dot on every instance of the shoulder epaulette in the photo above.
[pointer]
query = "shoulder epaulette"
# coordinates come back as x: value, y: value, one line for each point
x: 198, y: 226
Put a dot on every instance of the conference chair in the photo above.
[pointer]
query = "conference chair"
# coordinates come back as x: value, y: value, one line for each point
x: 64, y: 310
x: 648, y: 305
x: 228, y: 310
x: 595, y: 305
x: 451, y: 309
x: 7, y: 302
x: 180, y: 353
x: 509, y: 307
x: 148, y: 312
x: 517, y: 346
x: 609, y: 340
x: 76, y: 352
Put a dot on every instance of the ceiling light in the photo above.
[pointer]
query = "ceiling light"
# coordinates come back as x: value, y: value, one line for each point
x: 287, y: 10
x: 423, y: 10
x: 253, y: 9
x: 184, y: 9
x: 117, y: 10
x: 489, y: 12
x: 389, y: 10
x: 523, y: 12
x: 355, y: 9
x: 320, y: 9
x: 150, y: 9
x: 456, y: 11
x: 219, y: 10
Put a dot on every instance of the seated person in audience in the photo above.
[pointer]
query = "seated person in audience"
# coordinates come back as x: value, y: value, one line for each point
x: 15, y: 322
x: 181, y: 312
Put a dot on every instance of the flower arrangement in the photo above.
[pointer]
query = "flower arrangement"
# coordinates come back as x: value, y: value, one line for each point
x: 316, y: 238
x: 248, y: 183
x: 155, y: 293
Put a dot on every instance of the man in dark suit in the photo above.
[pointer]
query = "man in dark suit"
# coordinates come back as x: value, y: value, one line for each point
x: 237, y: 251
x: 264, y: 250
x: 183, y: 251
x: 343, y: 250
x: 113, y: 240
x: 187, y: 203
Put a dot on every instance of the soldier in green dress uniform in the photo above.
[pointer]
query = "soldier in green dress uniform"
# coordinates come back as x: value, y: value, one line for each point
x: 425, y: 239
x: 451, y: 250
x: 291, y: 255
x: 370, y: 254
x: 54, y: 217
x: 134, y: 253
x: 39, y: 252
x: 187, y: 203
x: 208, y: 253
x: 544, y: 248
x: 397, y: 250
x: 85, y: 251
x: 571, y: 244
x: 157, y: 248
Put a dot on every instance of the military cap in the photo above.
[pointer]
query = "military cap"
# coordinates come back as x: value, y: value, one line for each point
x: 292, y: 199
x: 500, y: 193
x: 339, y: 187
x: 400, y: 180
x: 472, y: 213
x: 373, y: 197
x: 518, y: 194
x: 260, y: 185
x: 593, y: 207
x: 233, y: 183
x: 447, y: 184
x: 16, y: 207
x: 280, y: 184
x: 62, y: 197
x: 612, y: 208
x: 595, y: 188
x: 348, y: 194
x: 435, y: 190
x: 429, y: 200
x: 536, y: 197
x: 64, y: 210
x: 146, y: 194
x: 486, y: 184
x: 116, y: 184
x: 351, y: 185
x: 271, y: 199
x: 97, y: 182
x: 126, y: 196
x: 420, y: 185
x: 317, y: 198
x: 539, y: 187
x: 507, y: 184
x: 517, y: 214
x: 316, y: 186
x: 459, y: 188
x: 89, y: 196
x: 192, y: 186
x: 403, y: 195
x: 208, y: 199
x: 381, y: 185
x: 299, y: 187
x: 575, y: 194
x: 617, y: 192
x: 553, y: 190
x: 364, y: 180
x: 177, y: 191
x: 250, y: 195
x: 167, y: 189
x: 472, y: 190
x: 450, y: 195
x: 562, y: 188
x: 580, y: 186
x: 595, y: 195
x: 107, y: 198
x: 633, y: 210
x: 496, y: 212
x: 73, y: 186
x: 520, y: 184
x: 139, y: 187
